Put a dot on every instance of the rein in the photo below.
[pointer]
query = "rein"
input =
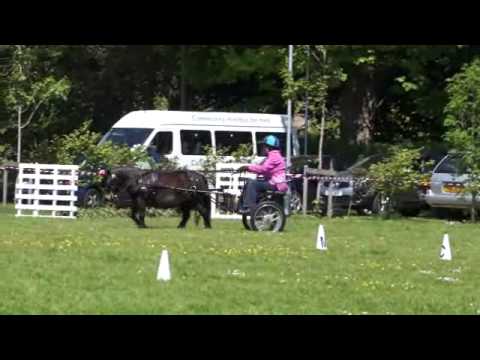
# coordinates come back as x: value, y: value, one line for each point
x: 193, y: 189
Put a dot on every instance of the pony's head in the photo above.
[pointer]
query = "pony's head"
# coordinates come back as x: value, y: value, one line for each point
x: 116, y: 180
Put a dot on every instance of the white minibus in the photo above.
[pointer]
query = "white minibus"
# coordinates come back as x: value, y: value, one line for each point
x: 184, y: 136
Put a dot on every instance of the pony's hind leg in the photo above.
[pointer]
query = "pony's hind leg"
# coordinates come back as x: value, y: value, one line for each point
x: 137, y: 218
x: 138, y: 212
x: 205, y: 210
x: 185, y: 217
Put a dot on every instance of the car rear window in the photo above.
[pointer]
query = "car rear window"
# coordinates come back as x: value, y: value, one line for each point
x: 451, y: 165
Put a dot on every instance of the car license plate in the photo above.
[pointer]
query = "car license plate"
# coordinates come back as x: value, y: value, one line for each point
x: 452, y: 188
x: 334, y: 193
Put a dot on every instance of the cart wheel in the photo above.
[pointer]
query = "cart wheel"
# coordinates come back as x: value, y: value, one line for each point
x: 246, y: 221
x: 268, y: 216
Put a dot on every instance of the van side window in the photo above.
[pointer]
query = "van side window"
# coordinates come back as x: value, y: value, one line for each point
x: 162, y: 144
x: 194, y: 142
x: 231, y: 140
x: 281, y: 136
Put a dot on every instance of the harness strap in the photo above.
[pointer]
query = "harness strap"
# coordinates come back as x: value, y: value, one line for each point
x: 194, y: 190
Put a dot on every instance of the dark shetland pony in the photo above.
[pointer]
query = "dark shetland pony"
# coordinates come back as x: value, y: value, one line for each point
x: 183, y: 190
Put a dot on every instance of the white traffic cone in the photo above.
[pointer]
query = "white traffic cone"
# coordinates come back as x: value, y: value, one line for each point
x: 163, y: 273
x: 321, y: 239
x: 446, y: 252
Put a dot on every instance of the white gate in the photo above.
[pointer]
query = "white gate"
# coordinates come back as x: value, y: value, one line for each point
x: 231, y: 184
x: 46, y: 190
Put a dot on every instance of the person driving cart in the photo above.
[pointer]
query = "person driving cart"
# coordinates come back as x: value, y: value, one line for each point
x: 273, y: 171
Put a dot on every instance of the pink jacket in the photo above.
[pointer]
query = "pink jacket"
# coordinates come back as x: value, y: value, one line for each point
x: 273, y: 169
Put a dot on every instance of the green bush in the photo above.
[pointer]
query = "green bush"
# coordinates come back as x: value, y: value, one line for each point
x: 396, y: 174
x: 241, y: 155
x: 83, y: 144
x: 6, y: 153
x: 165, y: 164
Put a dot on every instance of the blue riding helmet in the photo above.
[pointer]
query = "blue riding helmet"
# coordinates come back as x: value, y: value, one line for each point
x: 272, y: 141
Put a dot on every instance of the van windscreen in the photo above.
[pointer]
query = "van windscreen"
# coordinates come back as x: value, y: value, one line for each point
x: 452, y: 164
x: 127, y: 136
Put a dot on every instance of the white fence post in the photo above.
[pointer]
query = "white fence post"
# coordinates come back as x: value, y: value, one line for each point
x: 5, y: 186
x: 40, y: 188
x: 232, y: 184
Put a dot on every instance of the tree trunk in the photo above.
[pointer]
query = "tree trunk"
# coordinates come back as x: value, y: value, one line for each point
x: 473, y: 210
x: 322, y: 133
x: 320, y: 150
x: 183, y: 89
x: 359, y: 104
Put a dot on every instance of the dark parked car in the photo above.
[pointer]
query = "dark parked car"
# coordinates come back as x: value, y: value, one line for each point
x: 357, y: 191
x: 90, y: 193
x: 298, y: 163
x: 12, y: 172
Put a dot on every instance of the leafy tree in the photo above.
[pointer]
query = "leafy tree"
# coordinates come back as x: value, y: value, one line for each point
x: 363, y: 93
x: 31, y: 93
x: 463, y: 124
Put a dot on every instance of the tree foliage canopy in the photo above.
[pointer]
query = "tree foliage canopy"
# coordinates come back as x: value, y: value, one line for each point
x: 372, y: 93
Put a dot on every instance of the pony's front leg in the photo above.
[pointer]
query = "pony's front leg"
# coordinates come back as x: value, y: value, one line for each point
x: 138, y: 212
x: 185, y: 218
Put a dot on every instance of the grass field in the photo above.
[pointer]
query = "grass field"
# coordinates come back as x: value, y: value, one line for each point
x: 108, y: 266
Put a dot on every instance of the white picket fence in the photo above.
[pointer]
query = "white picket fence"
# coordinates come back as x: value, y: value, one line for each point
x: 231, y: 184
x: 46, y: 191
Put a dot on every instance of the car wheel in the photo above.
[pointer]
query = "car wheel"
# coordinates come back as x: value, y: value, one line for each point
x: 382, y: 205
x: 409, y: 212
x: 440, y: 213
x: 364, y: 212
x: 296, y: 205
x: 92, y: 199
